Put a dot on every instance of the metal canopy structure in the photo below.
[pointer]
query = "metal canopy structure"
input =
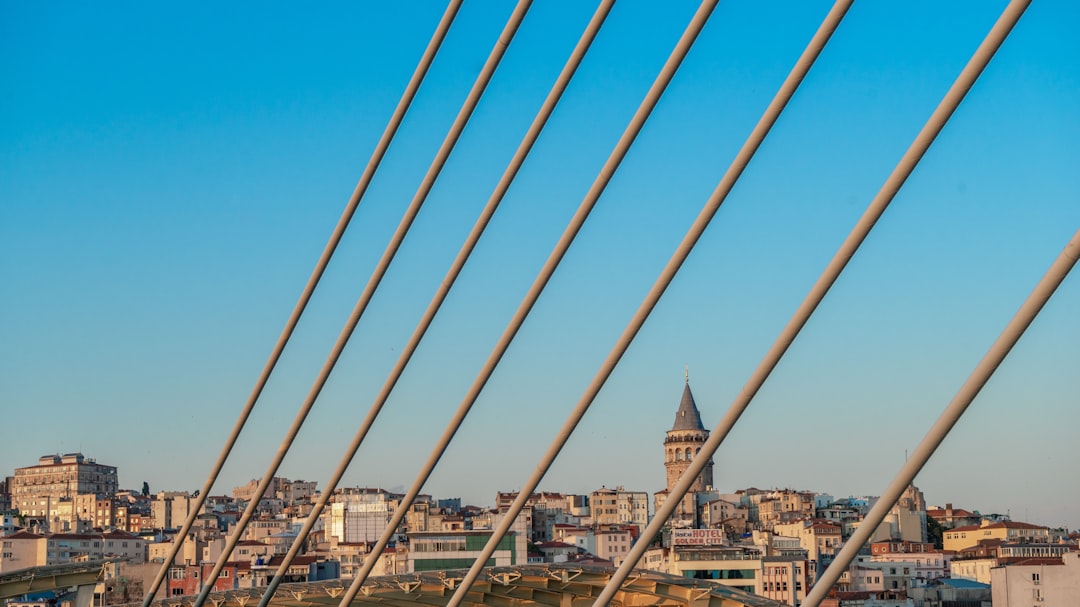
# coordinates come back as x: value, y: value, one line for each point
x: 543, y: 585
x: 51, y: 577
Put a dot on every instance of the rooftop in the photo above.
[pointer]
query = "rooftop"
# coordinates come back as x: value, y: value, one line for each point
x: 687, y: 417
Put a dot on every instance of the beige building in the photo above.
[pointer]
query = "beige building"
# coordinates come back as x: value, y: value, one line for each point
x: 785, y: 579
x: 244, y: 493
x: 976, y: 569
x: 170, y: 509
x: 349, y: 554
x: 817, y: 537
x: 247, y: 550
x: 36, y: 491
x: 785, y: 507
x: 611, y: 543
x: 726, y: 515
x: 259, y: 530
x: 189, y: 553
x: 297, y: 492
x: 619, y: 507
x: 1047, y: 582
x: 964, y: 537
x: 23, y: 549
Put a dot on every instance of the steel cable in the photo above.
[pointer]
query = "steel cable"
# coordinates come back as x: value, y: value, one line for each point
x: 447, y: 283
x: 656, y: 91
x: 832, y: 271
x: 346, y: 217
x: 948, y: 418
x: 428, y: 182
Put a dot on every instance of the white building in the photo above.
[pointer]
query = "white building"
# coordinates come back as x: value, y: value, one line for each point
x: 1043, y: 582
x: 22, y: 549
x: 359, y: 515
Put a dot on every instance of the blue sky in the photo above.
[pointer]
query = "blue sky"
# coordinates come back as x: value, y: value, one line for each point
x: 169, y: 175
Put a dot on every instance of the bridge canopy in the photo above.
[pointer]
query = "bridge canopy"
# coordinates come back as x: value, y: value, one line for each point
x: 51, y: 577
x: 541, y: 585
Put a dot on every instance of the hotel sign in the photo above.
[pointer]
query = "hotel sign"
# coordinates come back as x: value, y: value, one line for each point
x: 697, y: 537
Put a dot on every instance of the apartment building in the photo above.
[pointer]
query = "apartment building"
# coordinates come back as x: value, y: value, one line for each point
x: 36, y: 491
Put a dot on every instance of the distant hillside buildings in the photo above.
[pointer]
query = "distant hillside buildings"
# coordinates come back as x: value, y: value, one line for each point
x: 772, y: 542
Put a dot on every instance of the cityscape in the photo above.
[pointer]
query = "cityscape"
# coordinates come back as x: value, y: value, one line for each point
x: 770, y: 543
x: 831, y: 228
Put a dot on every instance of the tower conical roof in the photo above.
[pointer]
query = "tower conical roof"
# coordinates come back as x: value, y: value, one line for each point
x: 687, y: 417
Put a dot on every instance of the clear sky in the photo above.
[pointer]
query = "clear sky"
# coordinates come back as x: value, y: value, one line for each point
x: 170, y: 173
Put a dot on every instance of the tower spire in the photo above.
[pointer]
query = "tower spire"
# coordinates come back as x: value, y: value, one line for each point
x: 688, y: 417
x: 687, y: 373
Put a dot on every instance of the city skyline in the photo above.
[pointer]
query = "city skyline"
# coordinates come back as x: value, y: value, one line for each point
x: 242, y: 492
x: 169, y: 179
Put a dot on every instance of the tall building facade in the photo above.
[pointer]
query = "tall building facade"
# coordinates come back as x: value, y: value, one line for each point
x: 37, y: 490
x: 359, y: 514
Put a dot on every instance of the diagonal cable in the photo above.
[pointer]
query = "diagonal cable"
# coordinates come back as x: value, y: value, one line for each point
x: 712, y: 205
x: 444, y: 288
x: 694, y: 28
x: 369, y: 290
x: 350, y: 209
x: 561, y: 247
x: 937, y: 433
x: 817, y: 293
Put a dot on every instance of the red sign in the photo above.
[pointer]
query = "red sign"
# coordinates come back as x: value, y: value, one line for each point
x: 697, y: 537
